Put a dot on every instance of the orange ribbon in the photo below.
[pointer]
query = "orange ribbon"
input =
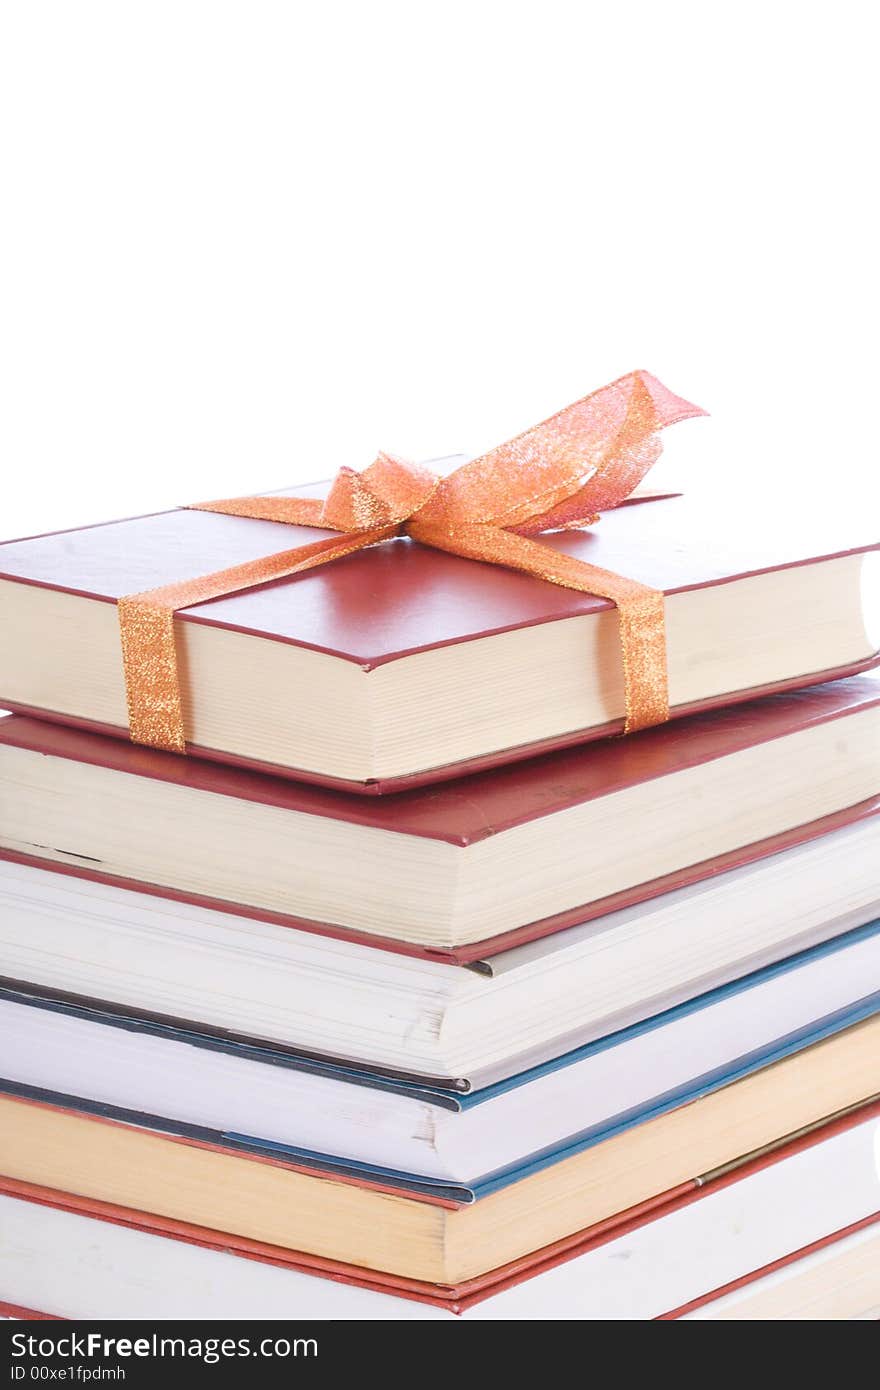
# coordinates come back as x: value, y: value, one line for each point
x: 560, y: 475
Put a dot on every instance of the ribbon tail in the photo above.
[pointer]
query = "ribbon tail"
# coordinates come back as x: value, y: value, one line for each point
x: 146, y: 623
x: 641, y: 610
x: 292, y: 511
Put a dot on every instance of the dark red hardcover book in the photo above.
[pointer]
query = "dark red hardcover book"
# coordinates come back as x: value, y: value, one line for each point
x: 359, y: 630
x: 470, y: 810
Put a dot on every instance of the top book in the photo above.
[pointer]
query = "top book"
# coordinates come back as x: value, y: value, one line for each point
x: 403, y: 664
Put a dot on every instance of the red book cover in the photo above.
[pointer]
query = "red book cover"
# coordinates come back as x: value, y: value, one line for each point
x: 485, y: 804
x: 401, y: 598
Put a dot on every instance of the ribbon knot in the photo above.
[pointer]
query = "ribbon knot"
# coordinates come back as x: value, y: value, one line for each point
x: 388, y: 493
x: 560, y: 475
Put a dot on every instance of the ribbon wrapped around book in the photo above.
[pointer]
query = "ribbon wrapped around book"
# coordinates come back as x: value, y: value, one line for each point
x: 559, y: 475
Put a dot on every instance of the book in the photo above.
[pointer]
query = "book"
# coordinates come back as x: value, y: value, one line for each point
x: 838, y: 1278
x: 416, y: 1139
x: 78, y: 1258
x: 161, y: 966
x: 406, y: 663
x: 429, y: 1238
x: 530, y: 848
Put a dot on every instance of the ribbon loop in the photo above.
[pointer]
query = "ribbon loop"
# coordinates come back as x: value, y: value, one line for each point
x: 586, y: 459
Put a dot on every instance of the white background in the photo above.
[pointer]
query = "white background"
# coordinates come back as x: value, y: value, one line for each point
x: 243, y: 243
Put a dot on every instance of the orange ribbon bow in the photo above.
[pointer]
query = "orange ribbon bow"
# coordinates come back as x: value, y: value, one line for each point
x: 560, y: 475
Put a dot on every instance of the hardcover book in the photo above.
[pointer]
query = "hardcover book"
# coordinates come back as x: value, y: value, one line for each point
x: 459, y: 871
x: 404, y: 663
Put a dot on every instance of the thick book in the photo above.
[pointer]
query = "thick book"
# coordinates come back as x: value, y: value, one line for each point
x: 423, y: 1237
x: 75, y: 1257
x: 404, y: 663
x: 336, y: 1009
x: 253, y: 1102
x: 453, y: 870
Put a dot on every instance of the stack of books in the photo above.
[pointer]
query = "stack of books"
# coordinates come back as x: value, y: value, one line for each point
x: 413, y: 989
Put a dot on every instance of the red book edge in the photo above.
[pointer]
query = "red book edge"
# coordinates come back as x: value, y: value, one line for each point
x: 14, y: 1310
x: 458, y: 1298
